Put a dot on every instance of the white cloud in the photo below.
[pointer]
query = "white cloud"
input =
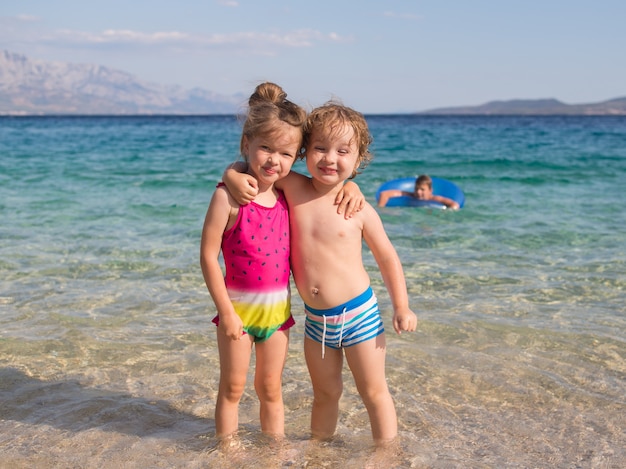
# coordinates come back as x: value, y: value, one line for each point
x: 238, y: 40
x: 28, y: 18
x: 228, y: 3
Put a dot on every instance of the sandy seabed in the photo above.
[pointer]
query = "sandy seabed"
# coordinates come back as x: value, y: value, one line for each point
x: 459, y: 404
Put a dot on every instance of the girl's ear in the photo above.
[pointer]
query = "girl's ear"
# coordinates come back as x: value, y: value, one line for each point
x: 245, y: 147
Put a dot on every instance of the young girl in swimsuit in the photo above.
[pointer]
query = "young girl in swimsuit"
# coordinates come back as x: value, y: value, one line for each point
x: 253, y: 297
x: 342, y: 314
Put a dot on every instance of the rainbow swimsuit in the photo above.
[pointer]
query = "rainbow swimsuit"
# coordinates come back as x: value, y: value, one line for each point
x: 256, y: 256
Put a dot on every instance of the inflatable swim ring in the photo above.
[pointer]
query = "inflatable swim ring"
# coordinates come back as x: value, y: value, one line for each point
x: 440, y: 187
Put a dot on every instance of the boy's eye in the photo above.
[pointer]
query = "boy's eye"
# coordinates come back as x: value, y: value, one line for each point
x: 319, y: 148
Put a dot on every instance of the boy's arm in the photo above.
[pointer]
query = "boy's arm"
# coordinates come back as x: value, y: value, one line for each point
x: 241, y: 185
x: 386, y: 195
x: 446, y: 201
x: 390, y: 268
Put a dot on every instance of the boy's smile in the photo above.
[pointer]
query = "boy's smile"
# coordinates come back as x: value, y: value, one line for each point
x: 332, y: 154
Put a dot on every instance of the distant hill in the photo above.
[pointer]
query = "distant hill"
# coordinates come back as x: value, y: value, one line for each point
x: 34, y: 87
x: 542, y: 107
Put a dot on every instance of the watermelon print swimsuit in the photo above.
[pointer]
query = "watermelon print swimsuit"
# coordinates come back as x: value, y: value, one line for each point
x: 256, y: 256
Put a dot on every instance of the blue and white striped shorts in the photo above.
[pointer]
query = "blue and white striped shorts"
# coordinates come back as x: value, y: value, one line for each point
x: 345, y: 325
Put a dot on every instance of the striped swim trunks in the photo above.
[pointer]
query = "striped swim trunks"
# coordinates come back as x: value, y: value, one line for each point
x: 345, y: 325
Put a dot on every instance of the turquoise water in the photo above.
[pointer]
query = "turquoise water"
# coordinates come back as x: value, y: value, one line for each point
x: 107, y: 353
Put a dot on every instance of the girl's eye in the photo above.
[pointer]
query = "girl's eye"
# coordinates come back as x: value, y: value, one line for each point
x: 319, y: 148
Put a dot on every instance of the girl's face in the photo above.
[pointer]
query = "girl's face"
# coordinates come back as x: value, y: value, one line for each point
x: 332, y: 156
x: 270, y: 157
x: 423, y: 192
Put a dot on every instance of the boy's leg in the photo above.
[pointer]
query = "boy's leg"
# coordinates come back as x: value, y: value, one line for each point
x: 367, y: 363
x: 270, y: 362
x: 234, y: 363
x: 327, y: 387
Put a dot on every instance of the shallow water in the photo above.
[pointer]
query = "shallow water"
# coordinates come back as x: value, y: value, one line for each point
x: 107, y: 352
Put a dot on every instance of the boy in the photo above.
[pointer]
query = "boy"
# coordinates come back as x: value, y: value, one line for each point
x: 341, y: 310
x: 423, y: 191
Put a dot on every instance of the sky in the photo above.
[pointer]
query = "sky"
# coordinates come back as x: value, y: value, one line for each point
x: 391, y: 56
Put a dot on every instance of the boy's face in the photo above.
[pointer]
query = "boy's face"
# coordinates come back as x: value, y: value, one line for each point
x: 332, y: 154
x: 423, y: 192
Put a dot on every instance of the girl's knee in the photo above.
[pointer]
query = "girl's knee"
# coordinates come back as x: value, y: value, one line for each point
x: 269, y: 391
x: 232, y: 391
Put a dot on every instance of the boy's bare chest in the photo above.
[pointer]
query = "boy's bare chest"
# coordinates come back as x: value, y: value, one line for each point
x: 321, y: 222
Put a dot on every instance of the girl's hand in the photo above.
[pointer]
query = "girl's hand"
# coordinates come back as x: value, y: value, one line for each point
x: 350, y: 199
x: 231, y: 326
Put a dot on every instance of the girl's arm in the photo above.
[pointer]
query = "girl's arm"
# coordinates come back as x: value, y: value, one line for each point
x: 244, y: 188
x: 390, y: 268
x: 220, y: 213
x: 350, y: 199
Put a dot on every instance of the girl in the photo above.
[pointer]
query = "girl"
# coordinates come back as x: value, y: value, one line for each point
x: 253, y: 297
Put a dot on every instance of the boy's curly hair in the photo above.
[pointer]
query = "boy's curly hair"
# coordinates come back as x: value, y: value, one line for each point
x: 330, y: 118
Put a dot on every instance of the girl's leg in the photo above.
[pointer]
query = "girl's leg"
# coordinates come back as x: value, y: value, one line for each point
x: 234, y: 363
x: 327, y: 387
x: 270, y: 362
x: 367, y: 363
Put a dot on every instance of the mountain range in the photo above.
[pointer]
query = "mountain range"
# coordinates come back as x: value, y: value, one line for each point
x: 536, y: 107
x: 36, y: 87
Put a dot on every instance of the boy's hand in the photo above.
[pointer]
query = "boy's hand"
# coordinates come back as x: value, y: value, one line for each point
x: 241, y: 186
x: 404, y: 320
x: 350, y: 199
x: 248, y: 188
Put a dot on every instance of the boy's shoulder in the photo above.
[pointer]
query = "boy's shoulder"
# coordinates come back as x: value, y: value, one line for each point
x: 293, y: 181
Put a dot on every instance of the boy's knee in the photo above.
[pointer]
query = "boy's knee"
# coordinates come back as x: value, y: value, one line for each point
x: 328, y: 393
x: 375, y: 396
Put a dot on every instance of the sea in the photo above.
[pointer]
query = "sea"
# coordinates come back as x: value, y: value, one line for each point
x: 108, y: 356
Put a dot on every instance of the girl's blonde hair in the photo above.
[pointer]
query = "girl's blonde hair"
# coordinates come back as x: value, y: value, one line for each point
x: 330, y: 118
x: 267, y: 107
